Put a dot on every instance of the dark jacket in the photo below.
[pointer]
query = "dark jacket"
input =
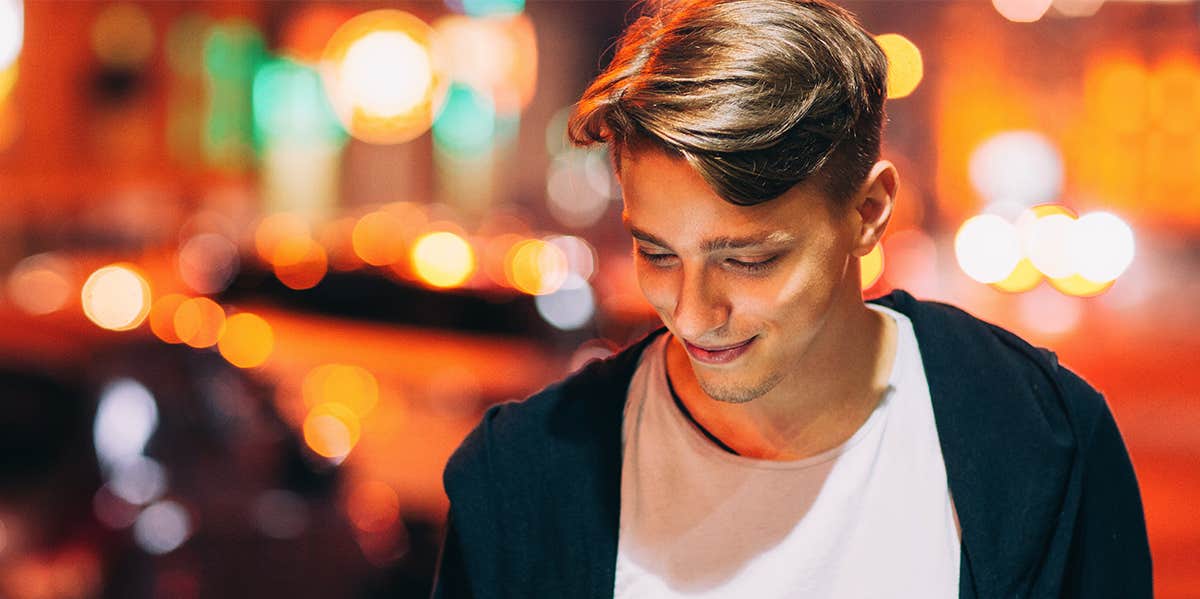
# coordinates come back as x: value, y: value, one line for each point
x: 1043, y: 486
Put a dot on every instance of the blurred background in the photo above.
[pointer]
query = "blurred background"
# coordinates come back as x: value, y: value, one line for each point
x: 263, y: 264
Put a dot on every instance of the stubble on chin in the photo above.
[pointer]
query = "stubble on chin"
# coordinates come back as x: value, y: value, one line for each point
x: 737, y: 392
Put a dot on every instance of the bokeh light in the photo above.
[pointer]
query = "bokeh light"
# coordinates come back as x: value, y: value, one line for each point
x: 1101, y: 246
x: 871, y: 266
x: 377, y: 239
x: 905, y: 66
x: 40, y: 284
x: 1017, y: 166
x: 497, y: 57
x: 1024, y: 276
x: 373, y: 506
x: 331, y: 430
x: 162, y: 527
x: 138, y: 481
x: 569, y: 307
x: 1079, y: 286
x: 208, y: 262
x: 1077, y: 8
x: 1047, y: 244
x: 123, y: 35
x: 383, y: 79
x: 345, y: 384
x: 536, y: 267
x: 276, y: 228
x: 489, y: 8
x: 1116, y: 93
x: 248, y: 340
x: 467, y: 123
x: 987, y: 248
x: 199, y: 322
x: 580, y: 187
x: 162, y: 317
x: 116, y: 297
x: 1174, y: 94
x: 8, y: 80
x: 126, y: 418
x: 300, y: 263
x: 1022, y: 11
x: 580, y: 255
x: 280, y: 514
x: 443, y: 259
x: 12, y: 31
x: 290, y: 105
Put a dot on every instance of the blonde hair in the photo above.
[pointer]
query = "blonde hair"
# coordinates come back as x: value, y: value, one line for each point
x: 757, y: 95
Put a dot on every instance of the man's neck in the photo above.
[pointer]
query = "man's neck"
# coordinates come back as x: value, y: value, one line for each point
x: 823, y: 399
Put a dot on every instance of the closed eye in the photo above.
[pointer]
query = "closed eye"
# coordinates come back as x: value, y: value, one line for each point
x: 752, y: 265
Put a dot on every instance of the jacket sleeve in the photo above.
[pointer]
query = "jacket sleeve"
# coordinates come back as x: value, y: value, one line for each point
x: 450, y: 577
x: 1110, y: 552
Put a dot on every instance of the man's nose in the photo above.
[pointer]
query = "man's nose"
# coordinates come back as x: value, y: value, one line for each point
x: 700, y: 306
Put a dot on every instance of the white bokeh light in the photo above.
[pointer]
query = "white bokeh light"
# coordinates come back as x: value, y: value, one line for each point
x: 1017, y: 166
x: 1047, y: 243
x: 125, y: 419
x: 987, y: 248
x: 138, y: 481
x: 1101, y: 247
x: 12, y: 31
x: 162, y: 527
x: 386, y: 73
x: 569, y: 308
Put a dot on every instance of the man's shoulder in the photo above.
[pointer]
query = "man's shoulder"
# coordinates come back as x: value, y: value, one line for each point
x: 579, y: 413
x: 957, y: 346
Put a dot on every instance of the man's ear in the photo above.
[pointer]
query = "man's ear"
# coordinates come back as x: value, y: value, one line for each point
x: 874, y: 205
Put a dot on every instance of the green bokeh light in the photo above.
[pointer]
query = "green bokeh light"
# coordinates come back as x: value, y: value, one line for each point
x: 467, y: 123
x: 491, y: 8
x: 290, y: 105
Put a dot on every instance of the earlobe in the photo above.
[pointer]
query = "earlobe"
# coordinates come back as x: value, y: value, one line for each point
x: 875, y: 204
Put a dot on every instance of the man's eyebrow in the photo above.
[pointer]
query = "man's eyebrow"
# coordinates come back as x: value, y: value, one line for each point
x: 717, y: 244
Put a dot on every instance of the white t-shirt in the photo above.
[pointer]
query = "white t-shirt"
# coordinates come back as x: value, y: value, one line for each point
x: 871, y: 518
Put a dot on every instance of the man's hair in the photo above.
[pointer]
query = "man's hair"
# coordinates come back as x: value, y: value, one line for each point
x: 757, y: 95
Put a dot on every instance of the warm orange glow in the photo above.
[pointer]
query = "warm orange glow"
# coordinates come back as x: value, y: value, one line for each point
x: 199, y: 322
x: 536, y: 267
x: 331, y: 430
x: 1022, y: 278
x: 1078, y: 286
x: 495, y: 254
x: 443, y: 259
x: 40, y: 284
x: 377, y: 239
x: 8, y: 80
x: 248, y: 340
x: 383, y: 79
x: 871, y: 266
x: 1174, y: 94
x: 304, y: 35
x: 337, y: 237
x: 276, y: 228
x: 351, y: 386
x: 373, y: 506
x: 300, y: 262
x: 162, y: 317
x: 116, y: 297
x: 905, y: 67
x: 1116, y: 94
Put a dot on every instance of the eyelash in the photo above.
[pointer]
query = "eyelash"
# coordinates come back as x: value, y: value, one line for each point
x: 750, y: 267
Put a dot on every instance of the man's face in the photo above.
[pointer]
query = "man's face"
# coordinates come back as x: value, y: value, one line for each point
x: 745, y: 289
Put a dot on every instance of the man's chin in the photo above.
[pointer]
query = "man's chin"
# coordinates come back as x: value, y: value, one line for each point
x: 735, y: 390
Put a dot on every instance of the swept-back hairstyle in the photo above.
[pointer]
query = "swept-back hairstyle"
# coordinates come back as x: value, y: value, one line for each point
x: 757, y: 95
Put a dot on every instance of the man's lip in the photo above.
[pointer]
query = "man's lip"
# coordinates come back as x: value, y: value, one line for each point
x: 718, y: 355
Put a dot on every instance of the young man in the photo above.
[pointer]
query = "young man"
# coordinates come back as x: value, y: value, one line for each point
x: 782, y: 438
